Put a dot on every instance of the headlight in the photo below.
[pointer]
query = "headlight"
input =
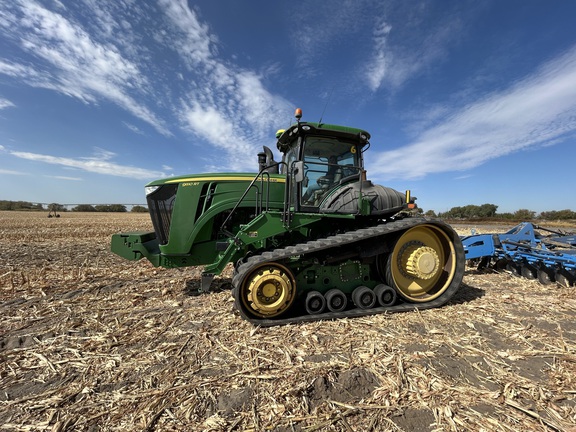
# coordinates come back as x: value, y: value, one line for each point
x: 151, y: 189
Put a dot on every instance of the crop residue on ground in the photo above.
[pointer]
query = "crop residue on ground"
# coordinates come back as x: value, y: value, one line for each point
x: 89, y: 341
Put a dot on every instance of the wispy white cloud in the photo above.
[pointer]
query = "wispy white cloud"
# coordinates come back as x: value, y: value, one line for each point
x: 65, y: 178
x: 213, y: 126
x: 99, y: 163
x: 395, y: 41
x: 538, y: 110
x: 225, y: 106
x: 17, y: 70
x: 12, y: 172
x: 402, y: 47
x: 169, y: 76
x: 75, y: 63
x: 377, y: 69
x: 462, y: 177
x: 133, y: 128
x: 5, y: 103
x: 317, y: 36
x: 192, y: 39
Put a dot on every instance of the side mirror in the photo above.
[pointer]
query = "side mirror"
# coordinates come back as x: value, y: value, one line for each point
x: 298, y: 171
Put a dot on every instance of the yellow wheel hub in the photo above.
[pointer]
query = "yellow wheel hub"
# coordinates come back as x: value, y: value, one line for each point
x: 422, y: 264
x: 419, y: 261
x: 269, y: 290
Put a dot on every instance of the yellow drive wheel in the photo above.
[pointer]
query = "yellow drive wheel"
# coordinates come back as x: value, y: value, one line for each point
x: 268, y: 291
x: 422, y: 263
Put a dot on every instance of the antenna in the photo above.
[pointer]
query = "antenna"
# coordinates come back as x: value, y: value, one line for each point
x: 326, y: 104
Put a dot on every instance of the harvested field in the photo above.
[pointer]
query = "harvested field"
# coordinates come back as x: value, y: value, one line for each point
x: 89, y: 341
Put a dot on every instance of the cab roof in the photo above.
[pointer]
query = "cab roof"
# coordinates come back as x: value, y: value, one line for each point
x: 310, y: 128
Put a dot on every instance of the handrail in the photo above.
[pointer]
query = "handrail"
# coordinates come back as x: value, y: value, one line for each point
x: 259, y: 196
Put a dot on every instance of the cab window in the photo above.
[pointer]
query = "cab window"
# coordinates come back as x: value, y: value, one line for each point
x: 326, y: 162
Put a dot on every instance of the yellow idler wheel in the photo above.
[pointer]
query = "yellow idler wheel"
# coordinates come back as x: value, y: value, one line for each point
x: 269, y: 290
x: 422, y: 263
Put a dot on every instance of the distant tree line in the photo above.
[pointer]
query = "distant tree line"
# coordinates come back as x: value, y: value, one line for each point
x: 111, y: 208
x: 489, y: 211
x: 19, y: 205
x: 55, y: 207
x: 484, y: 211
x: 562, y: 214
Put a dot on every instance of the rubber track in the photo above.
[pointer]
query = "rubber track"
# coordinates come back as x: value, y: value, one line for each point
x: 383, y: 229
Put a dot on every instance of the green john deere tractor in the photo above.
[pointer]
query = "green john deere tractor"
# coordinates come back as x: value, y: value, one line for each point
x: 310, y: 237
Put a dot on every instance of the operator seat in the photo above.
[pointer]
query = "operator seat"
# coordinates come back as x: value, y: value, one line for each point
x: 326, y: 182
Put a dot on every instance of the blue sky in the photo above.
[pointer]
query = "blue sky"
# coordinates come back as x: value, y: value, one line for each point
x: 467, y: 102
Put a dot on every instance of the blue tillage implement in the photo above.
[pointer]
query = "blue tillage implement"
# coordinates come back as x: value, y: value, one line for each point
x: 524, y: 251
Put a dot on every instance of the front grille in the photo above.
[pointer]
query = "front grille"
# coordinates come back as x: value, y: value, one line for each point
x: 161, y: 203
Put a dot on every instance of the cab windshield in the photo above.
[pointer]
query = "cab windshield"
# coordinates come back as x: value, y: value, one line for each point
x: 326, y: 162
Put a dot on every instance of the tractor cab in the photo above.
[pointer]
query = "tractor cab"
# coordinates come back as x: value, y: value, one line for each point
x: 319, y: 158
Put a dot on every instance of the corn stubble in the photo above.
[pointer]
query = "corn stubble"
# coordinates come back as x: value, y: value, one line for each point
x: 89, y: 341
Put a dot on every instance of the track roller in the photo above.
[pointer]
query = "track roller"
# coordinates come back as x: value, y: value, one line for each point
x: 315, y: 303
x: 386, y: 295
x: 336, y: 300
x: 364, y: 297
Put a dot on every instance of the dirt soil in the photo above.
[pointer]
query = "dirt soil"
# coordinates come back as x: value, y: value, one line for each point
x: 92, y: 342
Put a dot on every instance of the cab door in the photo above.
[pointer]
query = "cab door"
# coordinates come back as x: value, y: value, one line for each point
x: 327, y: 162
